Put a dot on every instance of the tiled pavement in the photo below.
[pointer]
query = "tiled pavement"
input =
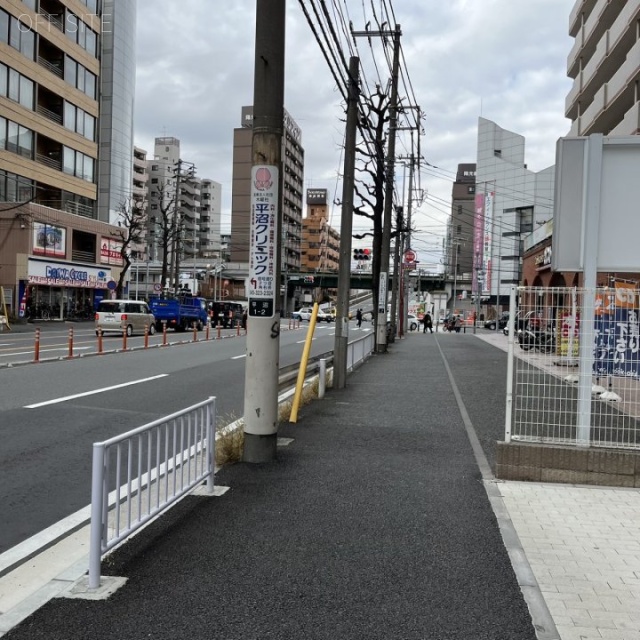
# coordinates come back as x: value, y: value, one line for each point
x: 583, y: 545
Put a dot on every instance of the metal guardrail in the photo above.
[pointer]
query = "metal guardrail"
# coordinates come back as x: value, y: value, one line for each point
x: 359, y: 350
x: 139, y: 474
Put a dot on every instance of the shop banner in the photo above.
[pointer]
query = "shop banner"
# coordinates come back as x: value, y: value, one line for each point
x: 617, y: 333
x: 568, y: 332
x: 110, y: 251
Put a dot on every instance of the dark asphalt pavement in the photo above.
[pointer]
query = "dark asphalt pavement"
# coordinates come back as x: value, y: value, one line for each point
x: 374, y: 523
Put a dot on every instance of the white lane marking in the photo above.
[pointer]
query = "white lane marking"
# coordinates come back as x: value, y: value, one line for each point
x: 91, y: 393
x: 244, y: 355
x: 30, y: 353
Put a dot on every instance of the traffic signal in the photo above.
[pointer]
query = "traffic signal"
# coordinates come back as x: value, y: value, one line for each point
x: 361, y: 254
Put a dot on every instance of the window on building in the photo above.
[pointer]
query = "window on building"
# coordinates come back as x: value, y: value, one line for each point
x: 471, y: 189
x: 4, y: 26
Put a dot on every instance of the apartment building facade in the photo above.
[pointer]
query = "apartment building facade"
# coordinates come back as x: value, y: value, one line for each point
x: 320, y: 241
x: 196, y: 211
x: 52, y: 66
x: 604, y: 63
x: 291, y: 186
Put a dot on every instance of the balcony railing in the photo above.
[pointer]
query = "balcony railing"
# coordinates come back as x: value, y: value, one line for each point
x: 51, y: 19
x: 57, y: 71
x: 83, y: 256
x: 47, y: 113
x: 49, y: 162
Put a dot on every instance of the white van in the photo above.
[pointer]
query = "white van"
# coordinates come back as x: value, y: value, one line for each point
x: 124, y: 316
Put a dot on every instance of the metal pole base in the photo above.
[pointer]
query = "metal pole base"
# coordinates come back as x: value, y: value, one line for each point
x: 259, y: 448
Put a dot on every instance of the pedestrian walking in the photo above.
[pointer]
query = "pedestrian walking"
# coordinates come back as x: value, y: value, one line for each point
x: 359, y: 317
x: 428, y: 323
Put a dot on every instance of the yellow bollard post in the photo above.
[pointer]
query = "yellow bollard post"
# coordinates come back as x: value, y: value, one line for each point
x: 303, y: 365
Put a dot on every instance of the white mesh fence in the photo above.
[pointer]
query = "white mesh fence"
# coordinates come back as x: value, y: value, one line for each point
x: 575, y: 357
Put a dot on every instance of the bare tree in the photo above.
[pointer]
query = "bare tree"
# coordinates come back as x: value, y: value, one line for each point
x: 132, y: 220
x: 167, y: 227
x: 370, y: 180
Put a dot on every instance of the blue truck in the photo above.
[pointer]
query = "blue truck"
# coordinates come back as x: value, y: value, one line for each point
x: 180, y: 313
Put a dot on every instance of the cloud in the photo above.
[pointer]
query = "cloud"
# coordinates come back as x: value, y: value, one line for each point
x: 501, y: 59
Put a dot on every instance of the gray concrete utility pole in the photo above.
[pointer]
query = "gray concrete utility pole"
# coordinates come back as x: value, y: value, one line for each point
x: 346, y: 228
x: 265, y: 245
x: 383, y: 287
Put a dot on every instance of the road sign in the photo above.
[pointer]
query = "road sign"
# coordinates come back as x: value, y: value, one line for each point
x: 410, y: 255
x: 157, y: 287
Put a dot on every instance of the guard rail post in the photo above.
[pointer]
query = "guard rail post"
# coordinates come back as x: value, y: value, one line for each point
x: 322, y: 378
x: 124, y: 339
x: 195, y: 332
x: 164, y: 333
x: 206, y: 333
x: 97, y: 508
x: 36, y: 347
x: 146, y: 336
x: 219, y: 329
x: 71, y: 342
x: 99, y: 340
x: 237, y: 328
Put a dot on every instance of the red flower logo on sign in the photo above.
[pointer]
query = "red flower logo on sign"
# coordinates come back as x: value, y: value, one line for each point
x: 263, y: 179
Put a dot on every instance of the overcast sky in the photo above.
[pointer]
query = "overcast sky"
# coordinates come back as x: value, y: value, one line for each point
x: 504, y: 60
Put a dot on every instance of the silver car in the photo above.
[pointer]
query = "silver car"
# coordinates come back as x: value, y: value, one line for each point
x: 124, y: 316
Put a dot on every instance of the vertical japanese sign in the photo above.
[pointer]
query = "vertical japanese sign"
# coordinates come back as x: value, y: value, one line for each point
x: 382, y: 292
x: 486, y: 245
x: 261, y: 285
x: 478, y: 231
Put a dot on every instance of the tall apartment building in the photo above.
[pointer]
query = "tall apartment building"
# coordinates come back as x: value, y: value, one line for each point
x: 56, y: 58
x: 210, y: 219
x: 511, y: 201
x: 140, y: 182
x: 459, y: 242
x: 291, y: 185
x: 320, y: 241
x: 604, y: 63
x: 198, y: 206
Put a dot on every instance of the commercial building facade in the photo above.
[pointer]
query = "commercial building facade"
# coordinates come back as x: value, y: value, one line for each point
x: 459, y: 241
x: 320, y: 241
x: 291, y: 186
x: 511, y: 201
x: 52, y: 64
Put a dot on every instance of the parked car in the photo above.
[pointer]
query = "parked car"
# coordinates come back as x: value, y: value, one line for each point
x: 124, y: 316
x: 503, y: 321
x: 305, y: 314
x: 412, y: 321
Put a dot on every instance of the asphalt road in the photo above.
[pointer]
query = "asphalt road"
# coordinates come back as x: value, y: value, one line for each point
x: 51, y: 413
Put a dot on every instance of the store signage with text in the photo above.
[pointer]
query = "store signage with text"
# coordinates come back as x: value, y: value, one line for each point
x: 59, y: 274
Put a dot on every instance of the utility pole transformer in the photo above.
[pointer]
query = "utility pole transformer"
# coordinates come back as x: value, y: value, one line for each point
x: 346, y: 228
x: 263, y: 283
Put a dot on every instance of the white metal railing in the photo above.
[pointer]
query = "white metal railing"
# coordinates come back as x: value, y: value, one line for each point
x: 138, y: 474
x: 359, y: 350
x: 574, y: 374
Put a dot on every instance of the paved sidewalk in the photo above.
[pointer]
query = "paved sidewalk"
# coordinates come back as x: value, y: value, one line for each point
x: 380, y: 520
